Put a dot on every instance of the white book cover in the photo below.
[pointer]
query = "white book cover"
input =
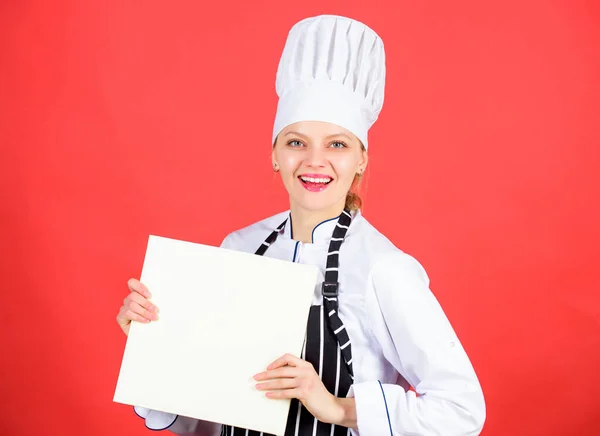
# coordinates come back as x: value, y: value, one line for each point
x: 224, y: 316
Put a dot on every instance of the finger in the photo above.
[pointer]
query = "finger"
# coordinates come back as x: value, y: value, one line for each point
x: 284, y: 383
x: 135, y: 285
x: 287, y: 359
x: 122, y: 320
x: 142, y: 301
x: 284, y: 394
x: 135, y: 317
x: 283, y: 372
x: 139, y: 310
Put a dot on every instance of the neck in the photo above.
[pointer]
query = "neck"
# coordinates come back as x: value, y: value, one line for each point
x: 304, y: 221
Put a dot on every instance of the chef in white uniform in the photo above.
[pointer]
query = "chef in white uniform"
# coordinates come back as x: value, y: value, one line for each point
x: 380, y: 356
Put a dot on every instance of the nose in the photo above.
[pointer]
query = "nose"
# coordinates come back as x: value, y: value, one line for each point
x: 315, y: 157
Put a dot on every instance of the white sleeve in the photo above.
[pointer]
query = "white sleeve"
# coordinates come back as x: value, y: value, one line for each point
x: 180, y: 425
x: 418, y: 340
x: 177, y: 424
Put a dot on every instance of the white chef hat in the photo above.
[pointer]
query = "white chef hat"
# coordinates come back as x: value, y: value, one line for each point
x: 332, y: 69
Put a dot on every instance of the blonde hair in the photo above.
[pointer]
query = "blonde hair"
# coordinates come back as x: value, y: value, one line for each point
x: 353, y: 200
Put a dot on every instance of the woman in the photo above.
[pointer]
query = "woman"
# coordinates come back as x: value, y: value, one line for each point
x: 375, y: 329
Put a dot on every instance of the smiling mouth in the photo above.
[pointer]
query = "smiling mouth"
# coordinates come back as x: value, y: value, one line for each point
x: 315, y: 184
x: 316, y: 180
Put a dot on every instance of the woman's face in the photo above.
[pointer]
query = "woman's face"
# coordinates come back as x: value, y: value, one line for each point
x: 318, y: 162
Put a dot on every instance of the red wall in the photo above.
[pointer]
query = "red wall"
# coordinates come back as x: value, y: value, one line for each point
x: 120, y: 119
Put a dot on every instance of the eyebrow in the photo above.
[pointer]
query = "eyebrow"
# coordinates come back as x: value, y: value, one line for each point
x: 327, y: 137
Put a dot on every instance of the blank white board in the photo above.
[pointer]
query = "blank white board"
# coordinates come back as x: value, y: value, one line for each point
x: 224, y: 316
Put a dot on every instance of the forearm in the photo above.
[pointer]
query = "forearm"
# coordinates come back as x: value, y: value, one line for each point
x: 347, y: 413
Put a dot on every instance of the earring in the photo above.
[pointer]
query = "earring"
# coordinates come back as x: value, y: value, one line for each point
x: 275, y: 167
x: 360, y: 172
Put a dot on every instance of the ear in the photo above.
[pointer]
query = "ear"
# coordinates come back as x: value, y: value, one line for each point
x: 273, y: 158
x: 364, y: 159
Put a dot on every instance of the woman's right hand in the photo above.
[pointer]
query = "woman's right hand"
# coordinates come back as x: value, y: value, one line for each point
x: 136, y: 306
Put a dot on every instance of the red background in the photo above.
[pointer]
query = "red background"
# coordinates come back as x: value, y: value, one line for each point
x: 120, y: 119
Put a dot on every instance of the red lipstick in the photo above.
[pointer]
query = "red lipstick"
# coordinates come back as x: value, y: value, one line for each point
x: 315, y: 182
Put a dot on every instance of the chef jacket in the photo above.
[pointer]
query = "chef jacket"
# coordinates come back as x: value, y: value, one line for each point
x: 412, y: 375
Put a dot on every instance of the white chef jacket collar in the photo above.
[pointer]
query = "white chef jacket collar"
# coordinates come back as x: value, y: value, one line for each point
x: 322, y: 231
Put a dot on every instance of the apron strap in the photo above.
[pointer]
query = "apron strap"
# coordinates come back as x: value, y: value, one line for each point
x: 331, y: 286
x: 265, y: 245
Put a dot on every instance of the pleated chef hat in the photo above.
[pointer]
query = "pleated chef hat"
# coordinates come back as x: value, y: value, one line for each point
x: 332, y: 69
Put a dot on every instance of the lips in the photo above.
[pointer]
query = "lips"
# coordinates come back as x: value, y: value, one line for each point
x: 315, y: 182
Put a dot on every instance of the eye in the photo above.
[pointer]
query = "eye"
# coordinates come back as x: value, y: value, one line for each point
x: 295, y: 143
x: 338, y: 144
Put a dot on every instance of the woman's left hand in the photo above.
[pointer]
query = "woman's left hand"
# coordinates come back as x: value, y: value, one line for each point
x: 291, y: 377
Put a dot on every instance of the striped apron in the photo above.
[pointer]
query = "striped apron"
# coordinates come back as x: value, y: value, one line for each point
x: 327, y: 345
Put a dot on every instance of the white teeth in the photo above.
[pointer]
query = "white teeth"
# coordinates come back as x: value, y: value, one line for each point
x: 315, y: 180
